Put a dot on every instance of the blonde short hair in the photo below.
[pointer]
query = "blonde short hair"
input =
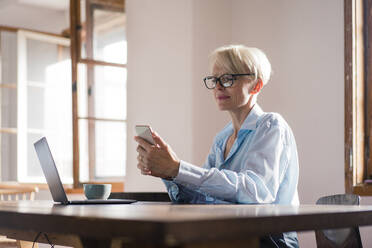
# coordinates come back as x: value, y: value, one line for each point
x: 242, y: 59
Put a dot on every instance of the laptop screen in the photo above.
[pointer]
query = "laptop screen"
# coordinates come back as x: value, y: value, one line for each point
x: 50, y: 171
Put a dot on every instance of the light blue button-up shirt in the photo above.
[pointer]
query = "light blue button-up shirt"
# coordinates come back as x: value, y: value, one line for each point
x: 261, y: 167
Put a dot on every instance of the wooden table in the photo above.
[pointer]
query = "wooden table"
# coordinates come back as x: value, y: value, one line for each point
x: 167, y: 225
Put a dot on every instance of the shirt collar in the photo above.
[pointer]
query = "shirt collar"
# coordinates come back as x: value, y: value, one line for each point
x: 250, y: 122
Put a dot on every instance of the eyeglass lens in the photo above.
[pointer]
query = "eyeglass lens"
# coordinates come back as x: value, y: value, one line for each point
x: 225, y: 81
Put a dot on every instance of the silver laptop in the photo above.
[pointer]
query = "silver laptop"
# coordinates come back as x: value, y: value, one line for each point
x: 54, y: 181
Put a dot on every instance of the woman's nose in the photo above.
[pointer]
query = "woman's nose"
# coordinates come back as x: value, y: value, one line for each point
x: 219, y: 85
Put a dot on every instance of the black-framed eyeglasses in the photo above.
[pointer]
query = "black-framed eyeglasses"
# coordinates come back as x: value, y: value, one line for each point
x: 225, y: 80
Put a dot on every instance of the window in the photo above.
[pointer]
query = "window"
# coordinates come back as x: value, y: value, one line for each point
x: 358, y: 96
x: 99, y: 69
x: 70, y: 88
x: 35, y: 102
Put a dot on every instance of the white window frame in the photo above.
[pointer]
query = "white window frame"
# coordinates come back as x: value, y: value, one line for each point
x: 22, y: 127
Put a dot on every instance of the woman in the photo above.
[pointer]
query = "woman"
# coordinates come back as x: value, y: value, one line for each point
x: 253, y: 160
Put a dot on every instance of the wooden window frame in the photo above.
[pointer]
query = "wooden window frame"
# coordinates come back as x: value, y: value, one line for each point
x: 76, y: 58
x: 358, y: 96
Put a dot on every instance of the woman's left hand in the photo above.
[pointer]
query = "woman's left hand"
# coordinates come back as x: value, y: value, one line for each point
x: 157, y: 160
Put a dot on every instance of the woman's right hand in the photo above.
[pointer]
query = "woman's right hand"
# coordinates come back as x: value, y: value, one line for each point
x: 157, y: 160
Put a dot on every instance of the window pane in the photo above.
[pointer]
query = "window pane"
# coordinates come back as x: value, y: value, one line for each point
x: 109, y: 40
x: 110, y: 92
x: 49, y: 105
x: 8, y: 52
x: 47, y: 54
x: 46, y: 105
x: 33, y: 164
x: 109, y: 151
x: 8, y: 148
x: 106, y: 97
x: 107, y: 28
x: 8, y: 101
x: 8, y: 104
x: 83, y: 151
x: 35, y: 106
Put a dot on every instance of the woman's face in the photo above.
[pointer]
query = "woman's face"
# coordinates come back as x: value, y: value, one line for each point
x: 234, y: 97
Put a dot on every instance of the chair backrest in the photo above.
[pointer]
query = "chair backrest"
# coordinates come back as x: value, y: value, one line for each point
x: 10, y: 191
x: 343, y: 237
x: 15, y: 192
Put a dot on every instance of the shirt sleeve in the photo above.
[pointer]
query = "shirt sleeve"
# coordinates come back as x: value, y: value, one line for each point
x: 257, y: 182
x: 179, y: 193
x: 182, y: 194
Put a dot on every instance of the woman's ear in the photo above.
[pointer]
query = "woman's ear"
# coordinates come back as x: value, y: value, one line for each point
x: 257, y: 88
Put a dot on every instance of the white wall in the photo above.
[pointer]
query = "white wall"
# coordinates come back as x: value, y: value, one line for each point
x: 159, y: 76
x: 304, y: 41
x: 211, y: 29
x: 32, y: 17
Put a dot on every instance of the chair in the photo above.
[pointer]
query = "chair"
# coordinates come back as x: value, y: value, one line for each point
x: 339, y: 238
x: 16, y: 192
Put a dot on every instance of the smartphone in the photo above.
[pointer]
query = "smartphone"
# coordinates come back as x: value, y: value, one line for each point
x: 144, y: 131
